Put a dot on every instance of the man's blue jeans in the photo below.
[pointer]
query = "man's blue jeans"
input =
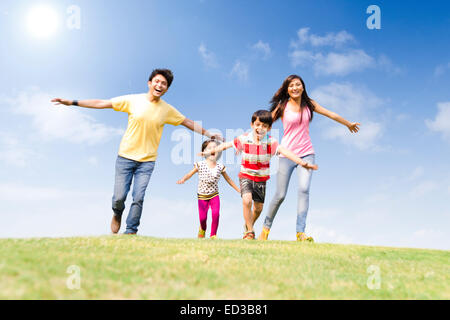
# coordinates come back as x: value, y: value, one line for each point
x: 285, y: 169
x: 126, y: 170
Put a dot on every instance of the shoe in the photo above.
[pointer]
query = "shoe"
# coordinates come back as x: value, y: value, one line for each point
x: 201, y: 233
x: 249, y: 235
x: 264, y: 234
x: 115, y: 223
x: 129, y: 233
x: 213, y: 237
x: 301, y: 236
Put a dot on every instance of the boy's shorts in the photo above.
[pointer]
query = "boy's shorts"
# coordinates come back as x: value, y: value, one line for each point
x: 257, y: 189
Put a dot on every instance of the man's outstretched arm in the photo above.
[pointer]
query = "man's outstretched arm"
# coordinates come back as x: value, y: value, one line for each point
x: 188, y: 123
x: 93, y: 104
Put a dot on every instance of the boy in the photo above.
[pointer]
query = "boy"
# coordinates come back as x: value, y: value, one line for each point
x: 257, y: 147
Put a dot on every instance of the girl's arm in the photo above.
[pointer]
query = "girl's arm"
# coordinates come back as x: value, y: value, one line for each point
x: 352, y: 126
x: 231, y: 182
x: 217, y: 149
x: 188, y: 175
x: 291, y: 156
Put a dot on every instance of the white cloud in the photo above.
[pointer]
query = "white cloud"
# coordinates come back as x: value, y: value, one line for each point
x: 14, y: 152
x: 263, y: 48
x: 356, y: 105
x: 328, y: 56
x: 441, y: 123
x: 208, y: 57
x: 343, y: 63
x: 240, y: 70
x: 441, y: 69
x: 330, y: 39
x: 59, y: 122
x: 423, y: 188
x: 365, y: 139
x: 416, y: 174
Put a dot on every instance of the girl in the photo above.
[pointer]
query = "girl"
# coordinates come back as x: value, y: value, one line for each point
x: 208, y: 190
x: 292, y: 104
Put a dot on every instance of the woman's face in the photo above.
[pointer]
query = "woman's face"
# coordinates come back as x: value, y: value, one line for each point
x: 295, y: 88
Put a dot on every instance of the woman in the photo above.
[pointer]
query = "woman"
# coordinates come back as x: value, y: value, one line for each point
x: 292, y: 104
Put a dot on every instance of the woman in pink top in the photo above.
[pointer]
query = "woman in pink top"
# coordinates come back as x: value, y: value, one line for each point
x: 296, y: 110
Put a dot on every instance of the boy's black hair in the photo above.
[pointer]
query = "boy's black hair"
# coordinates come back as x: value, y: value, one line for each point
x: 264, y: 116
x: 166, y: 73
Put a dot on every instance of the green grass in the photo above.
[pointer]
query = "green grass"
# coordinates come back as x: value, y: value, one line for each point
x: 135, y: 267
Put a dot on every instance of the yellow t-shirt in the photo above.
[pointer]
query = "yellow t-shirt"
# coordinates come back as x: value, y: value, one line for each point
x: 146, y: 121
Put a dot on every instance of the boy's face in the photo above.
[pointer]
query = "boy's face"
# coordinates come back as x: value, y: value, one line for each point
x: 158, y: 86
x: 260, y: 129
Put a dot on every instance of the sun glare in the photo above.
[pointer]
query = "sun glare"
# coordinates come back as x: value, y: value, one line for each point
x: 42, y: 21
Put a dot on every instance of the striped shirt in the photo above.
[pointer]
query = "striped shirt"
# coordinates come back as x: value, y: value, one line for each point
x: 255, y: 163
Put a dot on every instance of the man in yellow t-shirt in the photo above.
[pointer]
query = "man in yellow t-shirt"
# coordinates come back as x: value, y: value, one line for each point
x: 147, y: 115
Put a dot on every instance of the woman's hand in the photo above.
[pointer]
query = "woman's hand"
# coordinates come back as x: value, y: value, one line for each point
x: 353, y: 127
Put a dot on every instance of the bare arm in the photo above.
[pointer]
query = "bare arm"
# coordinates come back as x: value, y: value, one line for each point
x: 291, y: 156
x: 93, y: 104
x: 352, y: 126
x: 188, y: 176
x: 217, y: 149
x: 188, y: 123
x: 231, y: 182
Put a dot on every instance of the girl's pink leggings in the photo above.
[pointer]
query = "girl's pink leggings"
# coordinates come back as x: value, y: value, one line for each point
x: 203, y: 206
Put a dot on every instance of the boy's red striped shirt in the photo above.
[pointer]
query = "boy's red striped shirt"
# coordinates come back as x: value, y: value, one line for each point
x: 255, y: 163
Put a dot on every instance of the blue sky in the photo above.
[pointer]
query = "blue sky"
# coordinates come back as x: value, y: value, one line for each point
x: 389, y: 185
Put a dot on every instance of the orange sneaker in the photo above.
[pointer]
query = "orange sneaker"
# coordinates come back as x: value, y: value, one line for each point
x: 264, y: 234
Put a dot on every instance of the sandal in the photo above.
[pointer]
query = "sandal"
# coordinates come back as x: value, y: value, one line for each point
x: 249, y: 235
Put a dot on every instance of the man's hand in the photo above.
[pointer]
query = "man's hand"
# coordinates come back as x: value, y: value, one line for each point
x: 58, y: 101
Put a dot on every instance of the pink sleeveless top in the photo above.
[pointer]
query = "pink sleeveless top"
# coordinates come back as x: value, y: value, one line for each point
x: 296, y: 135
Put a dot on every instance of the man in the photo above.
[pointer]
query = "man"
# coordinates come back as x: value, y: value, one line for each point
x: 147, y: 115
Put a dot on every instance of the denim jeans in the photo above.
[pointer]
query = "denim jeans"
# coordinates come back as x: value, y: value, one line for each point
x: 126, y: 170
x: 285, y: 169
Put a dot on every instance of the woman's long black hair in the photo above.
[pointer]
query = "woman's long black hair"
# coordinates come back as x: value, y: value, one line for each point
x: 281, y: 97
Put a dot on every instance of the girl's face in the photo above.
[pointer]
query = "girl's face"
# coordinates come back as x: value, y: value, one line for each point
x: 295, y: 89
x: 210, y: 147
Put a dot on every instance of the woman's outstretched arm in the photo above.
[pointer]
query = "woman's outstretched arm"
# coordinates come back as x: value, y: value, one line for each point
x: 352, y: 126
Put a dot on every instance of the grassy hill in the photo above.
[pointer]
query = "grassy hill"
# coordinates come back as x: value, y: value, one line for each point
x: 135, y: 267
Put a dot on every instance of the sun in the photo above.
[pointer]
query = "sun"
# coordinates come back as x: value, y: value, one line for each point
x: 42, y: 21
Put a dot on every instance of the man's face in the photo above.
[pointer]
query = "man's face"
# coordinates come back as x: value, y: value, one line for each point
x: 260, y: 129
x: 158, y: 86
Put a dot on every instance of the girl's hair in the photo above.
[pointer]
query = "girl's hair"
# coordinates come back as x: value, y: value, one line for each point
x: 281, y: 97
x: 207, y: 142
